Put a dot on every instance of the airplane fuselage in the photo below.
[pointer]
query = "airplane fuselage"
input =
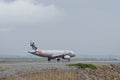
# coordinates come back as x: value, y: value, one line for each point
x: 51, y: 54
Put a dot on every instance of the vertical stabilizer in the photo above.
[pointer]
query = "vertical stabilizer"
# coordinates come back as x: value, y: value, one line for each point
x: 32, y: 44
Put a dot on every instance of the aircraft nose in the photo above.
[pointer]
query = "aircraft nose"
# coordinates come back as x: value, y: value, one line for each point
x: 73, y: 55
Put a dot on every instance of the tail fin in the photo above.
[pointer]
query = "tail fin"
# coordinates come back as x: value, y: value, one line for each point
x: 32, y: 44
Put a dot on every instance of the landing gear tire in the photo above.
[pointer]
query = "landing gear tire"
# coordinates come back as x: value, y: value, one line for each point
x: 49, y: 59
x: 68, y: 59
x: 58, y: 59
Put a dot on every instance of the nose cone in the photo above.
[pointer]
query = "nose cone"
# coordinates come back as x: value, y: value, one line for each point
x: 72, y: 54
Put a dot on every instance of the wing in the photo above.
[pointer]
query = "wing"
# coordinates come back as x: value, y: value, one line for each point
x: 57, y: 55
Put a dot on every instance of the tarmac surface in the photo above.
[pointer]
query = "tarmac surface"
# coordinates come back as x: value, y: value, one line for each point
x: 56, y: 63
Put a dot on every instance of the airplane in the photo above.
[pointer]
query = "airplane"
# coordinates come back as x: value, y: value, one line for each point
x: 51, y: 54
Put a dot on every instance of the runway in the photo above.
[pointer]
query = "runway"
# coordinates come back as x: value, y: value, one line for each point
x: 57, y: 63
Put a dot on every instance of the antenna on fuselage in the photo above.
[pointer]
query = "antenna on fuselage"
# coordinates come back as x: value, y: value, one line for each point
x: 32, y: 44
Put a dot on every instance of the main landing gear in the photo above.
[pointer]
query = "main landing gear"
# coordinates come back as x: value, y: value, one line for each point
x: 58, y: 59
x: 49, y: 59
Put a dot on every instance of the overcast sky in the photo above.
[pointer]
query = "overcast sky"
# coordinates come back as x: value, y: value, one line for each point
x: 88, y: 27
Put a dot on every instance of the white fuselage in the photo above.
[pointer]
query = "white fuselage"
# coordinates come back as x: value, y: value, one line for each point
x: 52, y: 53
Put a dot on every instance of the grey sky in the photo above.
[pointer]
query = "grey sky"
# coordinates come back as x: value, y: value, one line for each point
x: 89, y: 27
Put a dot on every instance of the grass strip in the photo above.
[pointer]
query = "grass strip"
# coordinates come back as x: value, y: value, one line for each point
x: 83, y: 66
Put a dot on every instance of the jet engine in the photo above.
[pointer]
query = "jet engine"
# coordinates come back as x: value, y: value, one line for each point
x: 67, y: 57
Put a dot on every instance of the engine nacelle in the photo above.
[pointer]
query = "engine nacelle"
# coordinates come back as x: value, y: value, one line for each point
x: 66, y: 57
